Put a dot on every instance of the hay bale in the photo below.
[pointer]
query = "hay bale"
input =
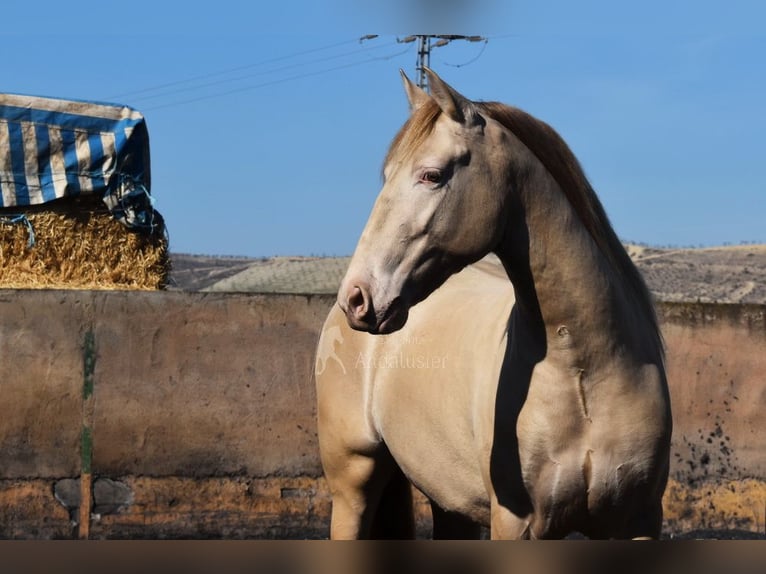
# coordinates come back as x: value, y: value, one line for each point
x: 79, y: 245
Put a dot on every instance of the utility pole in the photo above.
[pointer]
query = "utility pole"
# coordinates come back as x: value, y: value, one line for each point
x: 424, y: 51
x: 424, y: 60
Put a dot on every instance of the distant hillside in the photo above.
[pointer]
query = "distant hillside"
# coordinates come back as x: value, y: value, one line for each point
x: 264, y: 275
x: 734, y: 274
x: 198, y: 272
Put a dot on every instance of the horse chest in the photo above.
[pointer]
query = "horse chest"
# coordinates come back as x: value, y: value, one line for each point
x: 583, y: 441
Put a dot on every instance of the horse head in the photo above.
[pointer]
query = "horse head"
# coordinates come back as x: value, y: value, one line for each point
x: 441, y: 208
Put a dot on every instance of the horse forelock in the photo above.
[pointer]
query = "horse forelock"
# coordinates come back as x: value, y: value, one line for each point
x: 413, y: 133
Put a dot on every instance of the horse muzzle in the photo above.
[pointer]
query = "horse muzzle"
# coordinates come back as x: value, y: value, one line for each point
x: 362, y: 315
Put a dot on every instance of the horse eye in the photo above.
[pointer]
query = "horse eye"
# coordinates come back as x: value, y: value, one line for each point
x: 432, y: 176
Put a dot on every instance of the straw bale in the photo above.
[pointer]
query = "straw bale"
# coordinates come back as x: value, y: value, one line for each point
x: 79, y: 245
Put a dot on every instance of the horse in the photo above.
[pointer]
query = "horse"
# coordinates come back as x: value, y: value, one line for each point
x: 494, y: 345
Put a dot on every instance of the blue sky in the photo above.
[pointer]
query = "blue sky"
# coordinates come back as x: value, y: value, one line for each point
x: 269, y: 121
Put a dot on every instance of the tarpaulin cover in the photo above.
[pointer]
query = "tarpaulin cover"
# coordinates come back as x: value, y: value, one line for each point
x: 53, y: 148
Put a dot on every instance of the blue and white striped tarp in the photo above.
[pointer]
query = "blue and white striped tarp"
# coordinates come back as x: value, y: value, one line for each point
x: 53, y: 148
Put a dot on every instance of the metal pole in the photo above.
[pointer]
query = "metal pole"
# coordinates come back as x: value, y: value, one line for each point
x: 424, y: 60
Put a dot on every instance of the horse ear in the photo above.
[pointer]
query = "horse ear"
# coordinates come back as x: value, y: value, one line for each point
x: 452, y: 103
x: 415, y: 94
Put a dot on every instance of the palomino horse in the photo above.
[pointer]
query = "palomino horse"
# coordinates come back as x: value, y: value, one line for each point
x: 536, y: 407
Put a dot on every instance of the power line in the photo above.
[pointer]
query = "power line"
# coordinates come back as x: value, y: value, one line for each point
x: 472, y: 60
x: 279, y: 81
x: 194, y: 87
x: 236, y: 69
x: 424, y: 50
x: 425, y: 44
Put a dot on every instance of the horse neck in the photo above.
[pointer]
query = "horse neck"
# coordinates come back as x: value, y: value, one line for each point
x: 568, y: 296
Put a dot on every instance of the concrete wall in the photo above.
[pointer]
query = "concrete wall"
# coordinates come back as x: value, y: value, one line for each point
x: 202, y: 415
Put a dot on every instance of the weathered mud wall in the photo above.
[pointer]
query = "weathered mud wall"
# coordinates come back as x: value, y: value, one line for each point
x: 193, y: 414
x: 716, y: 359
x: 201, y: 404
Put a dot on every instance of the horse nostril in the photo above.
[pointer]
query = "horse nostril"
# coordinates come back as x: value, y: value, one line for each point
x: 357, y: 302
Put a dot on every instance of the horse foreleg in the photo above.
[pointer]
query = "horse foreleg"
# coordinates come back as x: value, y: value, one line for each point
x: 371, y: 498
x: 505, y: 525
x: 394, y: 518
x: 351, y: 483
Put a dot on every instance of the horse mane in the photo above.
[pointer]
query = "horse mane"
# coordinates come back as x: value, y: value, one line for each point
x: 554, y: 153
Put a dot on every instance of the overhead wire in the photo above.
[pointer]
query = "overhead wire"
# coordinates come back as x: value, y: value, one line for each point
x: 472, y: 60
x: 235, y: 69
x: 259, y: 73
x: 278, y: 81
x: 485, y: 41
x: 188, y: 85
